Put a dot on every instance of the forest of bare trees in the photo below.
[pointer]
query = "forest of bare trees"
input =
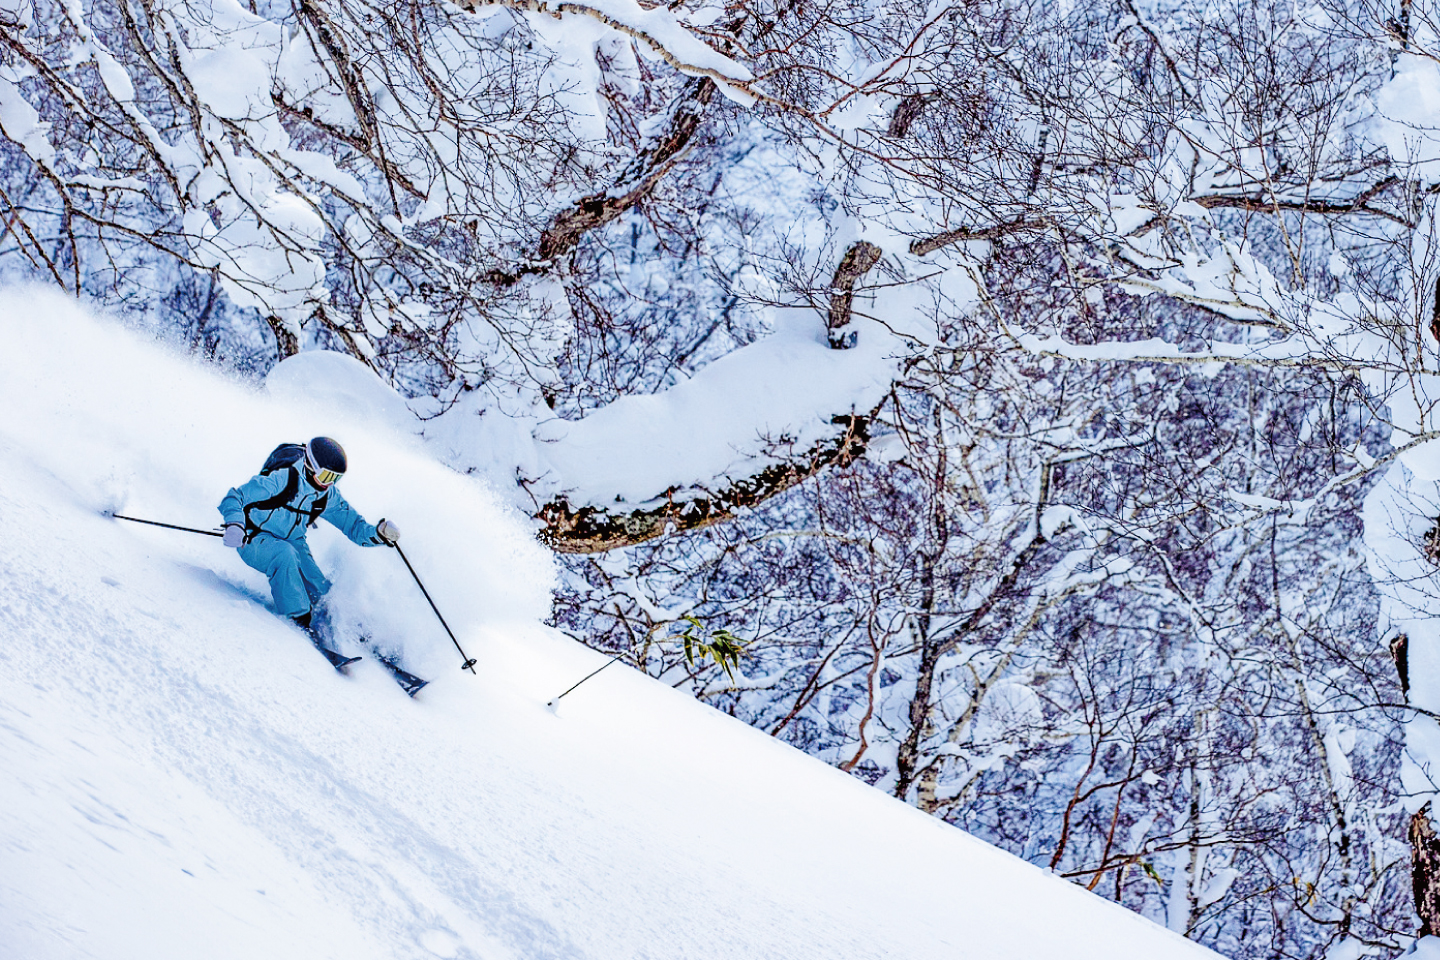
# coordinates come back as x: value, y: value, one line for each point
x: 1112, y: 551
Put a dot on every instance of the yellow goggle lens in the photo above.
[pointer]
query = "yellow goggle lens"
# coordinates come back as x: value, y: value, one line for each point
x: 327, y: 477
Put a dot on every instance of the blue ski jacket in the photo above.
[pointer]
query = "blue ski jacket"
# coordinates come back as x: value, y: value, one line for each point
x: 290, y: 520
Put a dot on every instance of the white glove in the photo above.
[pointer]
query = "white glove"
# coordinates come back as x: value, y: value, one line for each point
x: 234, y: 536
x: 387, y: 531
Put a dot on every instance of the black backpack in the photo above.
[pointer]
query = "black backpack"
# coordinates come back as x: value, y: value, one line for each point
x: 287, y: 456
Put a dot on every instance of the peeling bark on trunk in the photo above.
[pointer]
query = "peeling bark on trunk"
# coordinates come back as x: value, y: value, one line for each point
x: 905, y: 114
x: 1435, y: 312
x: 638, y: 180
x: 286, y: 345
x: 1425, y: 870
x: 1400, y: 653
x: 592, y: 529
x: 928, y: 245
x: 857, y: 262
x: 347, y: 337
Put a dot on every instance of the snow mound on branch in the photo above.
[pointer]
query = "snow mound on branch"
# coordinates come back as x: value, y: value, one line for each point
x: 323, y: 378
x: 777, y: 395
x: 1407, y: 108
x: 185, y: 777
x: 233, y: 83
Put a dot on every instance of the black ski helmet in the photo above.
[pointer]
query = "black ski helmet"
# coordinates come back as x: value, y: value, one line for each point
x: 325, y: 460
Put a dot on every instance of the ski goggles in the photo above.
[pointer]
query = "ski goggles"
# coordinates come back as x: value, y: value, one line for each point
x: 322, y: 476
x: 326, y: 477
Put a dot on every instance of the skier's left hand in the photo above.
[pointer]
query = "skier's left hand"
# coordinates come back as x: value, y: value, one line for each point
x: 387, y: 531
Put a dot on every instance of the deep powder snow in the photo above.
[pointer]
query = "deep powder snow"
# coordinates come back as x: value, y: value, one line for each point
x: 184, y: 776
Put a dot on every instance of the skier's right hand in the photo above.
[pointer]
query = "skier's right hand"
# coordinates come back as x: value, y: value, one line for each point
x: 234, y: 535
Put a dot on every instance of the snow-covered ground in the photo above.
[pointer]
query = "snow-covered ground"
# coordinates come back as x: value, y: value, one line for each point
x: 182, y: 775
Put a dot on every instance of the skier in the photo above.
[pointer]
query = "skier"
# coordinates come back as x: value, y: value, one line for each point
x: 266, y: 519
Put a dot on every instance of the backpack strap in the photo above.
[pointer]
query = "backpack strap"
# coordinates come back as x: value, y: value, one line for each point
x: 281, y: 499
x: 317, y: 508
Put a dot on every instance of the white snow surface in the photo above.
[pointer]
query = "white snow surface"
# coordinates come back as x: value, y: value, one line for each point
x: 184, y: 776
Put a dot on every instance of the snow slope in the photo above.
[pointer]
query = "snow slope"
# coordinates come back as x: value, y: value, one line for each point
x: 183, y: 776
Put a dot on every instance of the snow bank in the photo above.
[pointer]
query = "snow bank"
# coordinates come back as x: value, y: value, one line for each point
x: 186, y: 777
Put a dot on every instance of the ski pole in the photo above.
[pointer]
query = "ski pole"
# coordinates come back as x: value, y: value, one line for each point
x: 623, y: 653
x: 469, y: 663
x: 168, y: 526
x: 587, y: 676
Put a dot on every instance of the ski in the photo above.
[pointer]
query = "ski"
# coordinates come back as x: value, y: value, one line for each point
x: 337, y: 660
x: 410, y: 683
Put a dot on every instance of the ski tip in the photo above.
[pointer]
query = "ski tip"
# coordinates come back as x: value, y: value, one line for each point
x: 337, y: 660
x: 408, y: 682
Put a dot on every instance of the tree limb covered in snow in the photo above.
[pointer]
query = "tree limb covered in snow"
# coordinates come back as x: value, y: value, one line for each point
x: 1022, y: 225
x: 1359, y: 204
x: 593, y: 529
x: 638, y: 179
x: 677, y: 48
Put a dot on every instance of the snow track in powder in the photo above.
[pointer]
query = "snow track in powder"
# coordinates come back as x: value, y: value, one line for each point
x: 184, y: 777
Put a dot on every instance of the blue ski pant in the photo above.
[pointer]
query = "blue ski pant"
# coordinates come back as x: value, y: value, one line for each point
x: 295, y: 579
